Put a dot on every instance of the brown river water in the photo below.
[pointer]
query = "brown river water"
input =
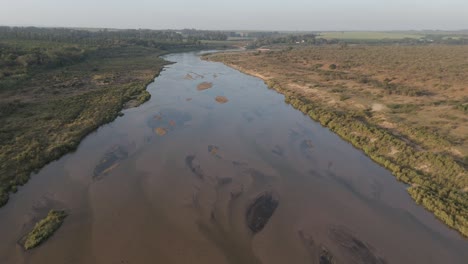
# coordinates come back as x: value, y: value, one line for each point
x: 243, y: 178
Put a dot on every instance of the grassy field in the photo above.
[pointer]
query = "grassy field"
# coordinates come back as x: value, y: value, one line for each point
x: 405, y: 106
x: 46, y: 109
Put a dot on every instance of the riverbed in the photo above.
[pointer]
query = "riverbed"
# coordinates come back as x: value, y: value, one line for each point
x: 224, y: 174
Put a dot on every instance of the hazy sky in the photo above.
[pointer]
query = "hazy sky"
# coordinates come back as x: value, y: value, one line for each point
x: 239, y: 14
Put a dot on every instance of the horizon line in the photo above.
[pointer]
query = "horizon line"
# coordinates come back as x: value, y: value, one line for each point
x: 252, y: 30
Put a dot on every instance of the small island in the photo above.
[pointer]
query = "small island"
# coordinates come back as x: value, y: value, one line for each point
x: 204, y: 85
x: 221, y: 99
x: 44, y: 229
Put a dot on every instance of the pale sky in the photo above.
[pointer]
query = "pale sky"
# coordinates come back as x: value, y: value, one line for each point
x: 304, y: 15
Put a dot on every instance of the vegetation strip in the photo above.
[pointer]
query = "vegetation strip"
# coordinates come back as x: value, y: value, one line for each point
x: 442, y: 189
x: 44, y: 229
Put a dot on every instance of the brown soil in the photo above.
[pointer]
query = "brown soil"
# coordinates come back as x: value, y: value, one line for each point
x: 160, y: 131
x: 204, y: 85
x: 221, y: 99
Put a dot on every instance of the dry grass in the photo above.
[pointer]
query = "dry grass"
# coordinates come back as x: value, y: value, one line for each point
x: 403, y: 87
x: 404, y: 106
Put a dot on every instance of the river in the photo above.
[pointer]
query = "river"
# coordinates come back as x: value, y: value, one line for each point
x: 185, y: 178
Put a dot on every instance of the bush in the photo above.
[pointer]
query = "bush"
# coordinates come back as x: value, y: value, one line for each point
x: 44, y: 229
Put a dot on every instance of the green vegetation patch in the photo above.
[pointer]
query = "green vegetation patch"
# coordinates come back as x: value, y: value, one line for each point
x: 403, y: 108
x: 44, y: 229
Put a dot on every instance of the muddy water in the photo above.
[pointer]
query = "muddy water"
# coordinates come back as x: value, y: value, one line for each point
x: 187, y: 179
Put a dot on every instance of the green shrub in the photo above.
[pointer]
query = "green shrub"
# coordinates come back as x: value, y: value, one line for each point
x: 344, y: 97
x: 44, y: 229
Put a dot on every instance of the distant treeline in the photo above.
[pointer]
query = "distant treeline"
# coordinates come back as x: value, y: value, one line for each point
x: 100, y: 36
x: 285, y: 39
x: 26, y: 48
x: 196, y: 35
x: 274, y: 38
x: 87, y: 36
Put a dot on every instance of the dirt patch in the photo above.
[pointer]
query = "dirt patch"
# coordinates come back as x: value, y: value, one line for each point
x: 204, y: 86
x: 221, y: 99
x: 378, y: 107
x: 160, y: 131
x: 188, y: 99
x: 393, y: 151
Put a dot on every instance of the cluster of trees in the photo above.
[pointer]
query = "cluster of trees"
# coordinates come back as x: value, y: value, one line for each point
x: 204, y: 34
x: 23, y: 49
x: 272, y: 38
x: 80, y: 36
x: 439, y: 188
x: 13, y: 58
x: 284, y: 39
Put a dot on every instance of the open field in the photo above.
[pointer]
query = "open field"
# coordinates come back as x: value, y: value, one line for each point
x: 368, y: 35
x: 404, y: 106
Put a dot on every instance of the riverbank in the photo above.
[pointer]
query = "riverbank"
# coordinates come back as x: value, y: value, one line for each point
x: 46, y: 113
x: 201, y: 186
x: 432, y: 165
